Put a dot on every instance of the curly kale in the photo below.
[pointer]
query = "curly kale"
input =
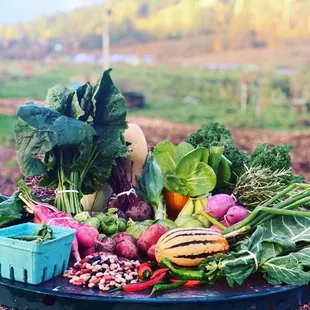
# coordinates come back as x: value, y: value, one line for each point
x: 217, y: 135
x: 275, y: 158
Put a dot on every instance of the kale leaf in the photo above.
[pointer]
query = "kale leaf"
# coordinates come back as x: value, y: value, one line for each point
x: 275, y: 158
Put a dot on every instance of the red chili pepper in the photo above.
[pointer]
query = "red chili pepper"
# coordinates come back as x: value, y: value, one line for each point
x: 143, y: 285
x: 190, y: 283
x: 144, y: 271
x: 159, y: 272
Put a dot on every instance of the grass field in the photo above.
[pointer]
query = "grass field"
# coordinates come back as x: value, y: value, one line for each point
x: 175, y: 94
x: 7, y: 130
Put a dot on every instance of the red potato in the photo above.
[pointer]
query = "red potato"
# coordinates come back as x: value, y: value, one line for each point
x: 124, y: 236
x: 150, y: 236
x: 127, y: 249
x: 151, y: 253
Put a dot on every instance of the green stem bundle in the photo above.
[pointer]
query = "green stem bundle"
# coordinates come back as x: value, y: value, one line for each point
x: 285, y: 207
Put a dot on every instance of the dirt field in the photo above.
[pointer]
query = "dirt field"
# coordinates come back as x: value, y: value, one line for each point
x: 156, y: 130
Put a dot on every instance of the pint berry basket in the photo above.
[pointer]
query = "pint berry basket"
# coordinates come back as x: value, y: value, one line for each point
x: 31, y: 262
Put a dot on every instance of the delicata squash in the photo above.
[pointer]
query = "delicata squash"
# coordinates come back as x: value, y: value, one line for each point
x: 188, y: 247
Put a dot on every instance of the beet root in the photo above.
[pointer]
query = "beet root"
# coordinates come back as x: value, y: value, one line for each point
x: 127, y: 249
x: 106, y: 245
x: 124, y: 236
x: 151, y: 253
x: 150, y: 236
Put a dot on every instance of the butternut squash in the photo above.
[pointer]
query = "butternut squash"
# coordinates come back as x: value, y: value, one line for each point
x: 138, y: 153
x: 188, y: 247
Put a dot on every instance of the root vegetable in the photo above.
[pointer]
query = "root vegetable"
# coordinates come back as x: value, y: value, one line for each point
x: 127, y: 249
x: 236, y: 214
x: 151, y: 253
x: 150, y: 236
x: 215, y: 228
x: 106, y: 245
x: 124, y: 236
x: 86, y: 236
x: 139, y: 211
x: 218, y: 205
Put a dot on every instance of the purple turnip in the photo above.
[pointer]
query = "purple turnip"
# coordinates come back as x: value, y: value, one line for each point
x: 218, y: 205
x: 215, y: 228
x: 236, y: 214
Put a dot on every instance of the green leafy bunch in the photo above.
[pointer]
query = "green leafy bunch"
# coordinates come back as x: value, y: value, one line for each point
x: 74, y: 140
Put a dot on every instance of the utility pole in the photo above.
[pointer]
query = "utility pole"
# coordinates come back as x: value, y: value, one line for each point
x: 106, y: 40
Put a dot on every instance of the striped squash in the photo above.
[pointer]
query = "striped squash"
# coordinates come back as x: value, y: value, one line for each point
x: 188, y: 247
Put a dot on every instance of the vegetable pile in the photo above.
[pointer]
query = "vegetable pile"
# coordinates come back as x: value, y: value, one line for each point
x: 182, y: 215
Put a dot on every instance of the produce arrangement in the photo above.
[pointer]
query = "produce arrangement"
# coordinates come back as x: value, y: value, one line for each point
x: 156, y: 219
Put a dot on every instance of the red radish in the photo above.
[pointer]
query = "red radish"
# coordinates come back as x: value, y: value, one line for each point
x: 236, y: 214
x: 87, y: 251
x: 151, y: 252
x: 218, y: 205
x: 150, y: 236
x: 127, y: 249
x: 124, y: 236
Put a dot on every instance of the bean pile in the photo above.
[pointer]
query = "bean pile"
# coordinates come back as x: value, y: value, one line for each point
x: 103, y: 271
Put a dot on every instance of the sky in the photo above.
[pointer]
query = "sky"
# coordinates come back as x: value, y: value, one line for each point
x: 14, y: 11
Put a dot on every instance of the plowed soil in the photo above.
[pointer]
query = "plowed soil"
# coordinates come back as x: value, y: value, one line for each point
x: 156, y: 130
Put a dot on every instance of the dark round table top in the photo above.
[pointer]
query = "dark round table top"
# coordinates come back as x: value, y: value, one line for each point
x: 59, y: 294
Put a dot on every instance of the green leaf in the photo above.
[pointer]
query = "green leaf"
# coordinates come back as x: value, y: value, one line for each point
x: 189, y: 161
x: 223, y: 174
x: 81, y: 105
x: 165, y: 156
x: 40, y: 129
x: 10, y: 209
x: 110, y: 108
x: 57, y: 97
x: 198, y: 177
x: 295, y: 228
x: 216, y: 153
x: 174, y: 184
x: 151, y: 180
x: 292, y: 269
x: 200, y: 180
x: 181, y: 150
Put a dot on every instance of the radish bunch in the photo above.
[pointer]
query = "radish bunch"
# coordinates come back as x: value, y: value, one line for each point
x: 86, y: 237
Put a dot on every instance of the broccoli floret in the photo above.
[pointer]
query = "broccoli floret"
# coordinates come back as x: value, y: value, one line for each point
x: 217, y: 135
x: 275, y: 158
